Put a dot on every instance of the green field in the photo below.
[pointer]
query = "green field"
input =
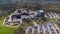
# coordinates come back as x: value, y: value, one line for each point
x: 3, y: 29
x: 6, y: 30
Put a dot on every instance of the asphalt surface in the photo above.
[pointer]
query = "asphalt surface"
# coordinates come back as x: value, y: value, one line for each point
x: 49, y: 28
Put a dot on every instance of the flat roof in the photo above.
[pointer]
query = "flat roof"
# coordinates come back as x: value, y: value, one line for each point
x: 41, y: 10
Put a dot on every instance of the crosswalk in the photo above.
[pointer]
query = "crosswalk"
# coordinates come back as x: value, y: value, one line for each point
x: 42, y: 29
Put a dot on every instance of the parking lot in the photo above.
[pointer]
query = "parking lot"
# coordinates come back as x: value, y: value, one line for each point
x: 49, y: 28
x: 52, y: 15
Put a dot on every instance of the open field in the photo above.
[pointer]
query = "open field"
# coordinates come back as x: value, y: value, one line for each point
x: 6, y: 30
x: 3, y: 29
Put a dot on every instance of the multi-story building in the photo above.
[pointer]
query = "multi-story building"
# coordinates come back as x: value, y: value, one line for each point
x: 41, y: 13
x: 23, y: 15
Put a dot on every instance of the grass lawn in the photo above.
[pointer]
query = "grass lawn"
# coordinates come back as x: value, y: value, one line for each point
x: 38, y: 21
x: 29, y: 23
x: 6, y: 30
x: 3, y: 29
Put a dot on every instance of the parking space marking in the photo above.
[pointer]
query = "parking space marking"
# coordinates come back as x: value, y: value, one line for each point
x: 27, y: 31
x: 33, y: 30
x: 43, y: 29
x: 49, y: 29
